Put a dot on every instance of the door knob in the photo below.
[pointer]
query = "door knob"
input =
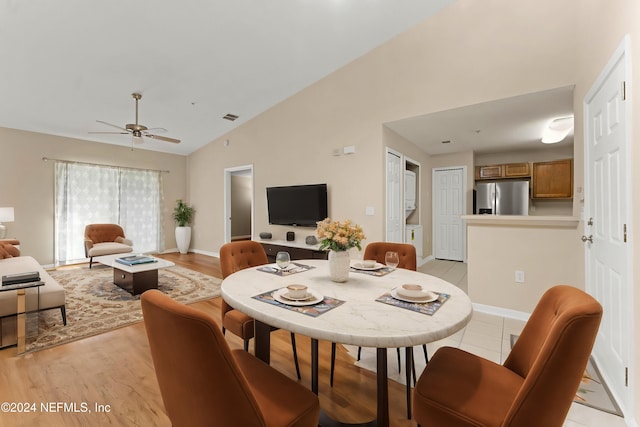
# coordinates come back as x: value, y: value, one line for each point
x: 587, y: 239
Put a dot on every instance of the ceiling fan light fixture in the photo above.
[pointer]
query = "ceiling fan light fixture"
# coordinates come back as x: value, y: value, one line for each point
x: 557, y: 130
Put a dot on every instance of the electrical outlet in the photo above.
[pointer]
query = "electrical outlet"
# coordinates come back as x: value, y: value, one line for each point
x: 519, y: 276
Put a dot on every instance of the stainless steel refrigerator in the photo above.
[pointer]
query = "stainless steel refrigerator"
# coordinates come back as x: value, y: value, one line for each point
x: 503, y: 198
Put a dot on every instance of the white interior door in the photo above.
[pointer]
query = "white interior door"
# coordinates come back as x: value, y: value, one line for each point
x: 607, y: 212
x: 395, y: 218
x: 448, y: 207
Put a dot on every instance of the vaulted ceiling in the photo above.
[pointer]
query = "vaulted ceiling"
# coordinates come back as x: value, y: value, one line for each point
x: 67, y: 64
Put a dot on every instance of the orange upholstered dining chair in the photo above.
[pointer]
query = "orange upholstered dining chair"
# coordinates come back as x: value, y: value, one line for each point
x: 408, y: 260
x: 236, y: 256
x: 537, y: 382
x: 204, y: 383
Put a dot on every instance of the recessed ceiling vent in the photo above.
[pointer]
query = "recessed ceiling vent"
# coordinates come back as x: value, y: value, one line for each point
x: 230, y: 117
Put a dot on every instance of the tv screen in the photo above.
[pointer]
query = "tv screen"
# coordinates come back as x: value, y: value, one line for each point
x: 300, y: 205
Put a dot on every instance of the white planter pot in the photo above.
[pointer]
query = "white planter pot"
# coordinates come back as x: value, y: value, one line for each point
x: 183, y: 238
x: 339, y: 264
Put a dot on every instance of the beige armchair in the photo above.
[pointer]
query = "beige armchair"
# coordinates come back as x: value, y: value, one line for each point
x: 105, y: 239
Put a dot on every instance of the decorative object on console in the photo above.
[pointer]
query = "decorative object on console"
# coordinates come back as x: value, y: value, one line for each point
x: 183, y: 214
x: 291, y: 236
x: 311, y: 240
x: 265, y: 235
x: 6, y: 215
x: 339, y: 237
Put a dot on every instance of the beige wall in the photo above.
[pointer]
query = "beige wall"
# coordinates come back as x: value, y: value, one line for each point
x: 432, y: 67
x: 469, y: 53
x: 547, y: 255
x: 28, y: 182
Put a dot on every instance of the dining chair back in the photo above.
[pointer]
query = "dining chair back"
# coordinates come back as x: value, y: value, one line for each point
x: 406, y: 253
x: 203, y: 382
x: 537, y: 382
x: 236, y: 256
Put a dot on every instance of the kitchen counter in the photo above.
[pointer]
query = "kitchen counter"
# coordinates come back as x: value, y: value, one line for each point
x: 523, y: 220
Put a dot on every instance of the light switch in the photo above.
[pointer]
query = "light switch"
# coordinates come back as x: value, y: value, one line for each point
x: 369, y: 211
x: 350, y: 149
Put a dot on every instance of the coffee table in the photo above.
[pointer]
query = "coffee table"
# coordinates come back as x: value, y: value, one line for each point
x: 134, y: 278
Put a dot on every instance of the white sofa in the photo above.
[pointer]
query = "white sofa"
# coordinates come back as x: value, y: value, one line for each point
x: 51, y: 294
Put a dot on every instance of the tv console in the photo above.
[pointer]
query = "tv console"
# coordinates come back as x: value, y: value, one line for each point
x: 296, y: 250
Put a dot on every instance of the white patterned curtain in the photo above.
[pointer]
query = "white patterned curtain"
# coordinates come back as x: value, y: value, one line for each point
x: 94, y: 194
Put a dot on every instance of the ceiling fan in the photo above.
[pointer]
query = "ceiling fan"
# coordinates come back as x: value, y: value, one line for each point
x: 137, y: 130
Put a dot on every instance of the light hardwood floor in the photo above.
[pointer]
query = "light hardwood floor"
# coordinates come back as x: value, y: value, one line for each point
x: 114, y: 370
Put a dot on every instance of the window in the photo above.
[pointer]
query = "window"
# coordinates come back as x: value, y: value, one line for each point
x: 95, y: 194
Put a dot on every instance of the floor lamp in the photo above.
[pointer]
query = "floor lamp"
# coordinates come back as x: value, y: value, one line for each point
x: 6, y: 215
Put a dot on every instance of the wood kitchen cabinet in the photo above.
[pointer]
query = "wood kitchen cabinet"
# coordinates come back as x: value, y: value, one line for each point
x: 553, y: 180
x: 489, y: 172
x: 517, y: 170
x: 510, y: 170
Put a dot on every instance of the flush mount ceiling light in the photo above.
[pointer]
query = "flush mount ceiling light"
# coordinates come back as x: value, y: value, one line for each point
x: 557, y: 130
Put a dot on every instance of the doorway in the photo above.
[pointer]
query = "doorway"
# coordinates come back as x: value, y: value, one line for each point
x: 608, y: 254
x: 238, y: 182
x: 449, y: 204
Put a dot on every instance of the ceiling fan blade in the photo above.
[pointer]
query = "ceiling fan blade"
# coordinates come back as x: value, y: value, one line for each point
x: 156, y: 130
x: 163, y: 138
x: 114, y: 126
x: 110, y: 133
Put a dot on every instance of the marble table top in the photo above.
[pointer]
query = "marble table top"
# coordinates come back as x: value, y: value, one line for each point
x: 361, y: 320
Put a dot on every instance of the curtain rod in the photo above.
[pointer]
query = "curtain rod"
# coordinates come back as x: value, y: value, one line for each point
x: 46, y: 159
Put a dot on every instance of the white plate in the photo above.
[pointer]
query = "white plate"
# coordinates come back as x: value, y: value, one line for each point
x: 432, y: 297
x: 358, y: 266
x: 316, y: 297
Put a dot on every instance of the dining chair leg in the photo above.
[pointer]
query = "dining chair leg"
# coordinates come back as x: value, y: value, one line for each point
x: 246, y: 345
x: 409, y: 369
x: 426, y: 356
x: 359, y: 352
x: 333, y: 362
x: 399, y: 363
x: 295, y: 354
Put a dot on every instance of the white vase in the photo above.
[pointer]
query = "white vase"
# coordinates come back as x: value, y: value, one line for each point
x: 183, y: 238
x: 339, y: 264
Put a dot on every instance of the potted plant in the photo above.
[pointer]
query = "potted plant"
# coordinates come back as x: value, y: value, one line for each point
x: 183, y: 214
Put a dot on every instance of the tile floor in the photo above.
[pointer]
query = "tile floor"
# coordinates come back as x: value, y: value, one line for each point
x: 488, y: 335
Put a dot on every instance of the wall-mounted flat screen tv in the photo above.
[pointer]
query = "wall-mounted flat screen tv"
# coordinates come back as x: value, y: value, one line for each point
x: 299, y: 205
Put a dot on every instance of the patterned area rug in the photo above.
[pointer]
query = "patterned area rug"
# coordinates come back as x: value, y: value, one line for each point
x: 95, y: 305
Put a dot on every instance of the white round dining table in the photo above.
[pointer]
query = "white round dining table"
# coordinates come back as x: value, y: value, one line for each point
x: 356, y: 319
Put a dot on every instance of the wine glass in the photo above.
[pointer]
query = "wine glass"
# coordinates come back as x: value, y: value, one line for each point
x: 391, y: 259
x: 283, y: 260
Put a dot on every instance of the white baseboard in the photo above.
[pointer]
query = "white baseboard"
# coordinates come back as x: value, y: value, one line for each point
x: 423, y: 261
x: 198, y: 251
x: 502, y: 312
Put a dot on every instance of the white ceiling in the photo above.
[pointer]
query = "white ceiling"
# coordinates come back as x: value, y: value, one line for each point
x: 509, y: 124
x: 66, y: 64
